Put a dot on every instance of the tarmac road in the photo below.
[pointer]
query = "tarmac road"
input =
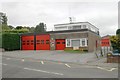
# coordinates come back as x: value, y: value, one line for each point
x: 27, y: 68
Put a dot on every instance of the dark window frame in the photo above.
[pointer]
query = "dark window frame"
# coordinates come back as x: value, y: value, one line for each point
x: 47, y: 41
x: 58, y: 43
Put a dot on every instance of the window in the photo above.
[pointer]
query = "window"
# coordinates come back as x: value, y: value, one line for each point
x: 75, y: 43
x: 31, y: 43
x: 42, y: 41
x: 69, y: 28
x: 87, y: 42
x: 63, y: 42
x: 47, y: 41
x: 102, y: 42
x: 38, y: 40
x: 77, y: 27
x: 23, y: 41
x: 68, y: 43
x: 31, y: 40
x: 23, y: 44
x: 38, y: 43
x: 84, y: 26
x: 83, y: 42
x: 28, y: 41
x: 58, y: 42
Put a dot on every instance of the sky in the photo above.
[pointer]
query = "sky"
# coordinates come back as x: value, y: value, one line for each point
x: 102, y: 14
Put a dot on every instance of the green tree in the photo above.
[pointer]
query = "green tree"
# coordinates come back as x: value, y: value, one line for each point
x: 19, y: 27
x: 26, y: 27
x: 118, y: 32
x: 4, y: 23
x: 32, y: 29
x: 4, y: 19
x: 115, y: 41
x: 5, y: 27
x: 40, y: 28
x: 11, y: 27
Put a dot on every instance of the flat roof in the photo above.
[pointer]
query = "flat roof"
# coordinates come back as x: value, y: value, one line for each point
x: 75, y: 23
x: 52, y: 32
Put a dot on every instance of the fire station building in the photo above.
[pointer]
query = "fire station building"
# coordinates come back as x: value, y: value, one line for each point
x: 76, y: 36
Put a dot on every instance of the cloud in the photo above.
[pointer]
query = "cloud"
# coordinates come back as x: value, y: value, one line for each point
x: 101, y: 14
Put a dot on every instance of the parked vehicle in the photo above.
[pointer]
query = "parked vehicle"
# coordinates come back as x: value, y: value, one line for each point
x: 115, y: 52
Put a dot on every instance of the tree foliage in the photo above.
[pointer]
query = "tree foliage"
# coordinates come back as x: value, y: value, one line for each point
x: 40, y: 28
x: 5, y: 27
x: 11, y: 27
x: 115, y: 41
x: 118, y: 31
x: 19, y: 27
x: 17, y: 31
x: 32, y: 29
x: 4, y: 19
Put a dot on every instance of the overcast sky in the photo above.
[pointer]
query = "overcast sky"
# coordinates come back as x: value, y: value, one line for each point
x: 103, y: 15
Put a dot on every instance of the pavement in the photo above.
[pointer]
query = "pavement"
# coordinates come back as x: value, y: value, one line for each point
x: 31, y: 68
x: 61, y: 57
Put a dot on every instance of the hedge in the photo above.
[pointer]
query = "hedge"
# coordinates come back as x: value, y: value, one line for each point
x: 16, y: 31
x: 0, y: 40
x: 10, y: 41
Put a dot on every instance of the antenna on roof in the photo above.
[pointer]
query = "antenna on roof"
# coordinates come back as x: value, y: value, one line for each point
x: 72, y: 19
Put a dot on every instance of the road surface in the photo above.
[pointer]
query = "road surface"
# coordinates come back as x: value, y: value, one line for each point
x: 28, y: 68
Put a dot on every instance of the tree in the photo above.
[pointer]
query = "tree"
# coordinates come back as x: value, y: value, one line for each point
x: 5, y: 27
x: 32, y: 29
x: 115, y: 41
x: 118, y: 32
x: 11, y: 27
x: 40, y: 28
x: 19, y: 27
x: 4, y: 22
x: 4, y: 19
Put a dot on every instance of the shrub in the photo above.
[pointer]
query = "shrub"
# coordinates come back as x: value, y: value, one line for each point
x: 0, y: 40
x: 10, y: 41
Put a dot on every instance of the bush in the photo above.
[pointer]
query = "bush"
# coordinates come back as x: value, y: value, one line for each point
x: 10, y: 41
x: 16, y: 31
x: 0, y: 40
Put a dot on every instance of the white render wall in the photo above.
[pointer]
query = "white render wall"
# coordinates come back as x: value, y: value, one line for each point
x: 70, y: 26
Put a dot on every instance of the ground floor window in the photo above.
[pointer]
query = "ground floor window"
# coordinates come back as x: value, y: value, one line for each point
x: 68, y: 41
x: 83, y: 42
x: 75, y: 43
x: 78, y: 42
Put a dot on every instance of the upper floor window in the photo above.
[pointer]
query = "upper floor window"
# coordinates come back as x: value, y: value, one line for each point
x: 84, y: 26
x: 77, y: 27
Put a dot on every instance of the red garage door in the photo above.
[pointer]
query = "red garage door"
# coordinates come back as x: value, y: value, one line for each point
x: 43, y: 42
x: 27, y: 42
x: 60, y: 44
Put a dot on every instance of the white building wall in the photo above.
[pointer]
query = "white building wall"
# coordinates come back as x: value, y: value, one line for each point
x: 84, y: 25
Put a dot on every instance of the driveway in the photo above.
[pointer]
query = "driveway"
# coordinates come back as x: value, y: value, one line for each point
x: 61, y: 56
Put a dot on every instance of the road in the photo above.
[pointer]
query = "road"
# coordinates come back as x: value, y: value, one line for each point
x: 28, y: 68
